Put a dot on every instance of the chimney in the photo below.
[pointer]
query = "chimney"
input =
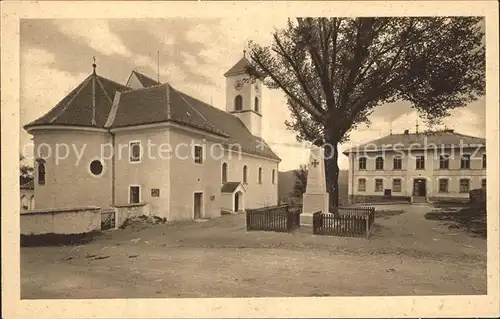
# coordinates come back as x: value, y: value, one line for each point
x: 407, y: 132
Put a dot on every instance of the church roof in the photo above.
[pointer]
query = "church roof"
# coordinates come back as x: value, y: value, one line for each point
x: 444, y: 138
x: 146, y: 81
x: 76, y: 107
x: 152, y: 104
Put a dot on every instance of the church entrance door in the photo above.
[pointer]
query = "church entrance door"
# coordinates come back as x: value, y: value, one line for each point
x: 198, y: 200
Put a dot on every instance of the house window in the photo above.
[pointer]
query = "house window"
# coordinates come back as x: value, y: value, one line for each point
x: 483, y: 183
x: 397, y: 163
x: 224, y: 172
x: 396, y: 185
x: 260, y: 175
x: 135, y: 194
x: 464, y: 186
x: 198, y: 154
x: 420, y: 162
x: 444, y: 162
x: 484, y: 160
x: 362, y: 163
x: 245, y: 174
x: 465, y: 161
x: 135, y: 152
x: 256, y: 106
x: 379, y: 163
x: 379, y: 185
x: 361, y: 185
x: 238, y: 103
x: 41, y: 172
x: 443, y: 185
x: 273, y: 176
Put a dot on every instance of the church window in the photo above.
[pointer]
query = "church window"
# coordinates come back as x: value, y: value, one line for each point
x: 135, y: 152
x: 273, y: 177
x: 198, y: 154
x: 41, y: 172
x: 260, y: 175
x: 238, y: 103
x: 96, y: 167
x: 224, y: 172
x: 135, y: 194
x: 245, y: 174
x: 257, y: 109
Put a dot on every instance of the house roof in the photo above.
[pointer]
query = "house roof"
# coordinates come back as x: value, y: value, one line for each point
x: 152, y: 104
x: 425, y: 140
x: 28, y: 185
x: 76, y: 107
x: 229, y: 187
x: 146, y: 81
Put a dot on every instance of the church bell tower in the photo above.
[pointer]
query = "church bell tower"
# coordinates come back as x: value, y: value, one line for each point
x: 244, y: 96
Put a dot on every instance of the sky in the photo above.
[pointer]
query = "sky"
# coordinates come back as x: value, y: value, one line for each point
x: 194, y: 53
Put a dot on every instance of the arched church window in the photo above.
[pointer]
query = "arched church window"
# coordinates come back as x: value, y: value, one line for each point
x: 245, y: 174
x: 224, y: 172
x: 257, y: 106
x: 260, y: 175
x: 238, y: 103
x: 41, y: 171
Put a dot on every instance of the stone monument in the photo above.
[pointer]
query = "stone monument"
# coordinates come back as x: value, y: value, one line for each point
x: 316, y: 197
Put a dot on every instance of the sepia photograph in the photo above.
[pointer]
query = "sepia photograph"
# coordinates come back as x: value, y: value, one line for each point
x: 236, y: 156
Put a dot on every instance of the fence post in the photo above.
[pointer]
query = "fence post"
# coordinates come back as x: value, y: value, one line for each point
x: 248, y: 220
x: 367, y: 220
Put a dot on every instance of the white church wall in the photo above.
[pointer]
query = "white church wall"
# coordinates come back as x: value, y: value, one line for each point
x: 188, y: 177
x: 68, y: 180
x: 257, y: 195
x: 151, y: 172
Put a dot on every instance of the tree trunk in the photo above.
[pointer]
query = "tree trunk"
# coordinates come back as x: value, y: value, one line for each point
x: 332, y: 174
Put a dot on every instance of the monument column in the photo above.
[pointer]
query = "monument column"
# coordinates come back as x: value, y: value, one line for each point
x: 316, y: 198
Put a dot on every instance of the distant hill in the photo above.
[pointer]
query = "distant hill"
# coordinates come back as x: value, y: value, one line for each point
x: 286, y: 180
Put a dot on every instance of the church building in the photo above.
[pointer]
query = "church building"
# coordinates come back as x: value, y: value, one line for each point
x: 147, y: 142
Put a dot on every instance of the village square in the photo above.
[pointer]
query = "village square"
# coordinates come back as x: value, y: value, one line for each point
x: 143, y: 188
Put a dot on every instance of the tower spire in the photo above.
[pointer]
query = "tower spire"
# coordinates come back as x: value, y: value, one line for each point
x: 94, y: 65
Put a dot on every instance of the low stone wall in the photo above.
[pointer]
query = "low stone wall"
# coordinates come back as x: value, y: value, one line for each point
x: 122, y: 212
x: 77, y: 220
x: 357, y: 199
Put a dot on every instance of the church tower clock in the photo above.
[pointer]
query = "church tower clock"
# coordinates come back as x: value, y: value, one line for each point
x: 244, y: 96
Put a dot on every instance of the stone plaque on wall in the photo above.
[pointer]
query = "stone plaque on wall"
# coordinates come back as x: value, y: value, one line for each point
x: 155, y: 192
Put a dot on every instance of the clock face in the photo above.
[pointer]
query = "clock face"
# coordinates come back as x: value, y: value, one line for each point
x: 238, y: 85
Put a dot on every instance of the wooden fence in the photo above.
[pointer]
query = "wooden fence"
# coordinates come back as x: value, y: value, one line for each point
x: 345, y: 221
x: 283, y: 218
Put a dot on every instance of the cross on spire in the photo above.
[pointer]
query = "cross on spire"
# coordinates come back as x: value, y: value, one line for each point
x: 94, y: 65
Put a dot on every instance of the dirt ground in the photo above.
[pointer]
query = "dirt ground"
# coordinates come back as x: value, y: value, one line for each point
x: 407, y: 255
